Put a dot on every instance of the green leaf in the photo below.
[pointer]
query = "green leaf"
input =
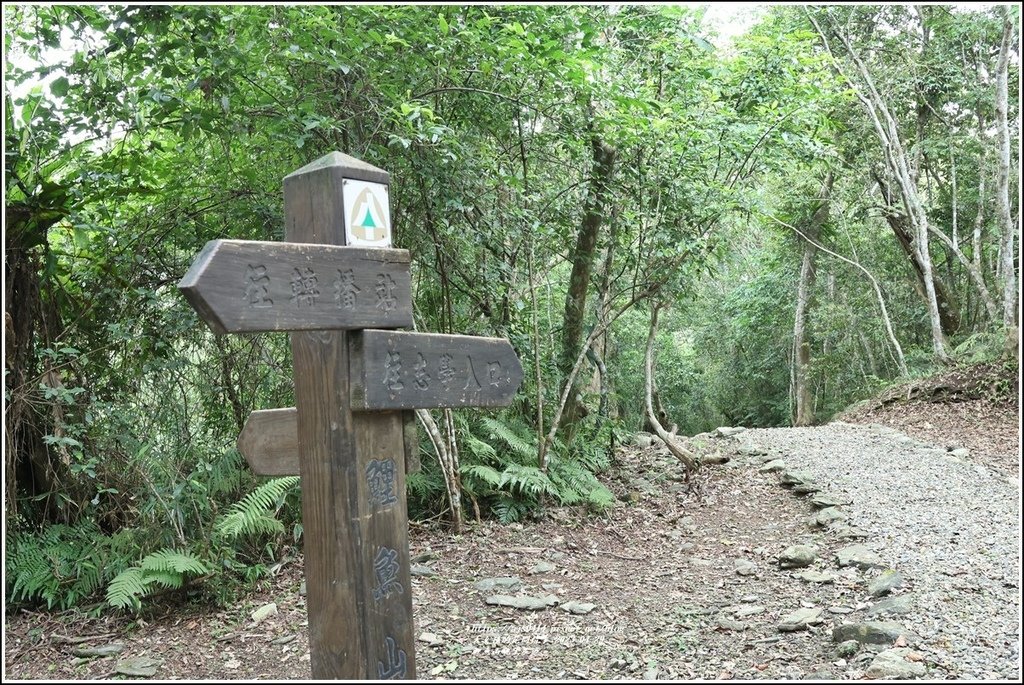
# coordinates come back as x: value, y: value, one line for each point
x: 60, y: 86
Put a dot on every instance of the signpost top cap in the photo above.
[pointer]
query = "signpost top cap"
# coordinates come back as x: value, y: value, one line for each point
x: 347, y: 166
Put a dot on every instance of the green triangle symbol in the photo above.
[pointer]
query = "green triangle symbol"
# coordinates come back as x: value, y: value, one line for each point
x: 367, y: 221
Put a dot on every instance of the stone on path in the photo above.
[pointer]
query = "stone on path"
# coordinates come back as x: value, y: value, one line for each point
x: 745, y: 610
x: 961, y: 453
x: 800, y: 619
x: 870, y: 632
x: 823, y: 501
x: 791, y: 478
x: 745, y: 567
x: 812, y: 576
x: 579, y: 608
x: 884, y: 583
x: 797, y: 556
x: 903, y: 604
x: 773, y: 465
x: 488, y: 584
x: 860, y: 557
x: 827, y: 517
x: 845, y: 650
x: 421, y: 570
x: 729, y: 624
x: 103, y: 650
x: 726, y: 431
x: 844, y: 532
x: 748, y: 450
x: 522, y: 602
x: 431, y: 639
x: 542, y: 567
x: 900, y: 663
x: 264, y: 612
x: 805, y: 488
x: 138, y: 667
x: 643, y: 439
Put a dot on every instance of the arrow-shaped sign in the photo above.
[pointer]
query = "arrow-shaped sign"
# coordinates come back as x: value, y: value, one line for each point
x: 269, y: 441
x: 393, y: 370
x: 248, y: 285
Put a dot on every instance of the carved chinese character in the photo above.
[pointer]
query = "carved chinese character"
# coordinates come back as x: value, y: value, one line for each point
x: 472, y: 379
x: 396, y: 668
x: 422, y: 377
x: 380, y: 479
x: 385, y: 567
x: 386, y: 300
x: 304, y: 287
x: 257, y: 282
x: 393, y: 372
x: 345, y: 289
x: 445, y: 372
x: 494, y: 373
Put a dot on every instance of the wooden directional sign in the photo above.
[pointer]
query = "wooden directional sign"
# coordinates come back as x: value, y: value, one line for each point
x: 358, y: 589
x: 269, y: 441
x: 352, y: 424
x: 395, y: 370
x: 246, y: 285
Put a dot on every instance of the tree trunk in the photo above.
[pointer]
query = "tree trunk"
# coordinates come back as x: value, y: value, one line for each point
x: 802, y: 352
x: 949, y: 314
x: 675, y: 448
x: 897, y: 349
x: 31, y: 321
x: 900, y: 166
x: 449, y: 467
x: 582, y: 262
x: 1003, y: 191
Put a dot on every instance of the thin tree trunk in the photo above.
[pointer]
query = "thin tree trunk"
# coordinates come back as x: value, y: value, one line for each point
x: 979, y: 218
x: 897, y: 349
x: 536, y: 351
x: 683, y: 455
x: 452, y: 486
x: 583, y: 258
x: 900, y: 165
x: 802, y: 348
x: 604, y: 323
x: 1003, y: 190
x: 949, y: 315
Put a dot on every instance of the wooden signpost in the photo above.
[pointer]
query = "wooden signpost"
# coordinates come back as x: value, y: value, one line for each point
x: 351, y: 432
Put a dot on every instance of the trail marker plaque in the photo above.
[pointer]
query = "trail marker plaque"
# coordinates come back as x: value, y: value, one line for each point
x: 351, y: 434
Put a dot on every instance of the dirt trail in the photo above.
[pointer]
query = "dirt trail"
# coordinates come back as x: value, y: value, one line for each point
x: 661, y: 569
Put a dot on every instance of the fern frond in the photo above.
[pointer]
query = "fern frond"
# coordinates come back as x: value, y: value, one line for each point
x: 126, y: 588
x: 478, y: 448
x: 168, y: 579
x: 509, y: 510
x: 487, y: 474
x: 520, y: 446
x: 250, y: 516
x: 601, y: 498
x: 169, y: 560
x: 528, y: 480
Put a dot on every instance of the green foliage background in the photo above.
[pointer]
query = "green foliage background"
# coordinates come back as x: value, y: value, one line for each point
x: 133, y: 135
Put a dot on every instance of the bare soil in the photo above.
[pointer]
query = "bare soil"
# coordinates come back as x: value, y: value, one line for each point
x: 659, y: 567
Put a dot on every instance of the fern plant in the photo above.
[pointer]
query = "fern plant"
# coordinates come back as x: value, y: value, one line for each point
x: 61, y: 565
x: 165, y: 568
x: 256, y: 513
x: 504, y: 470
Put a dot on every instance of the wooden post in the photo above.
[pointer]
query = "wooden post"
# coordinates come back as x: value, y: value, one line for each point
x: 351, y: 436
x: 352, y: 465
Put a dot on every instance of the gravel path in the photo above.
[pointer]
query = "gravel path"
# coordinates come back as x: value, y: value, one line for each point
x: 949, y: 526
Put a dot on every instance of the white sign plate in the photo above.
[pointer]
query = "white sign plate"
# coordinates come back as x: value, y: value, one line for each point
x: 367, y: 214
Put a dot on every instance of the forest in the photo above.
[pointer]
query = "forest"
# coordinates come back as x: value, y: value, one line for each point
x: 674, y: 231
